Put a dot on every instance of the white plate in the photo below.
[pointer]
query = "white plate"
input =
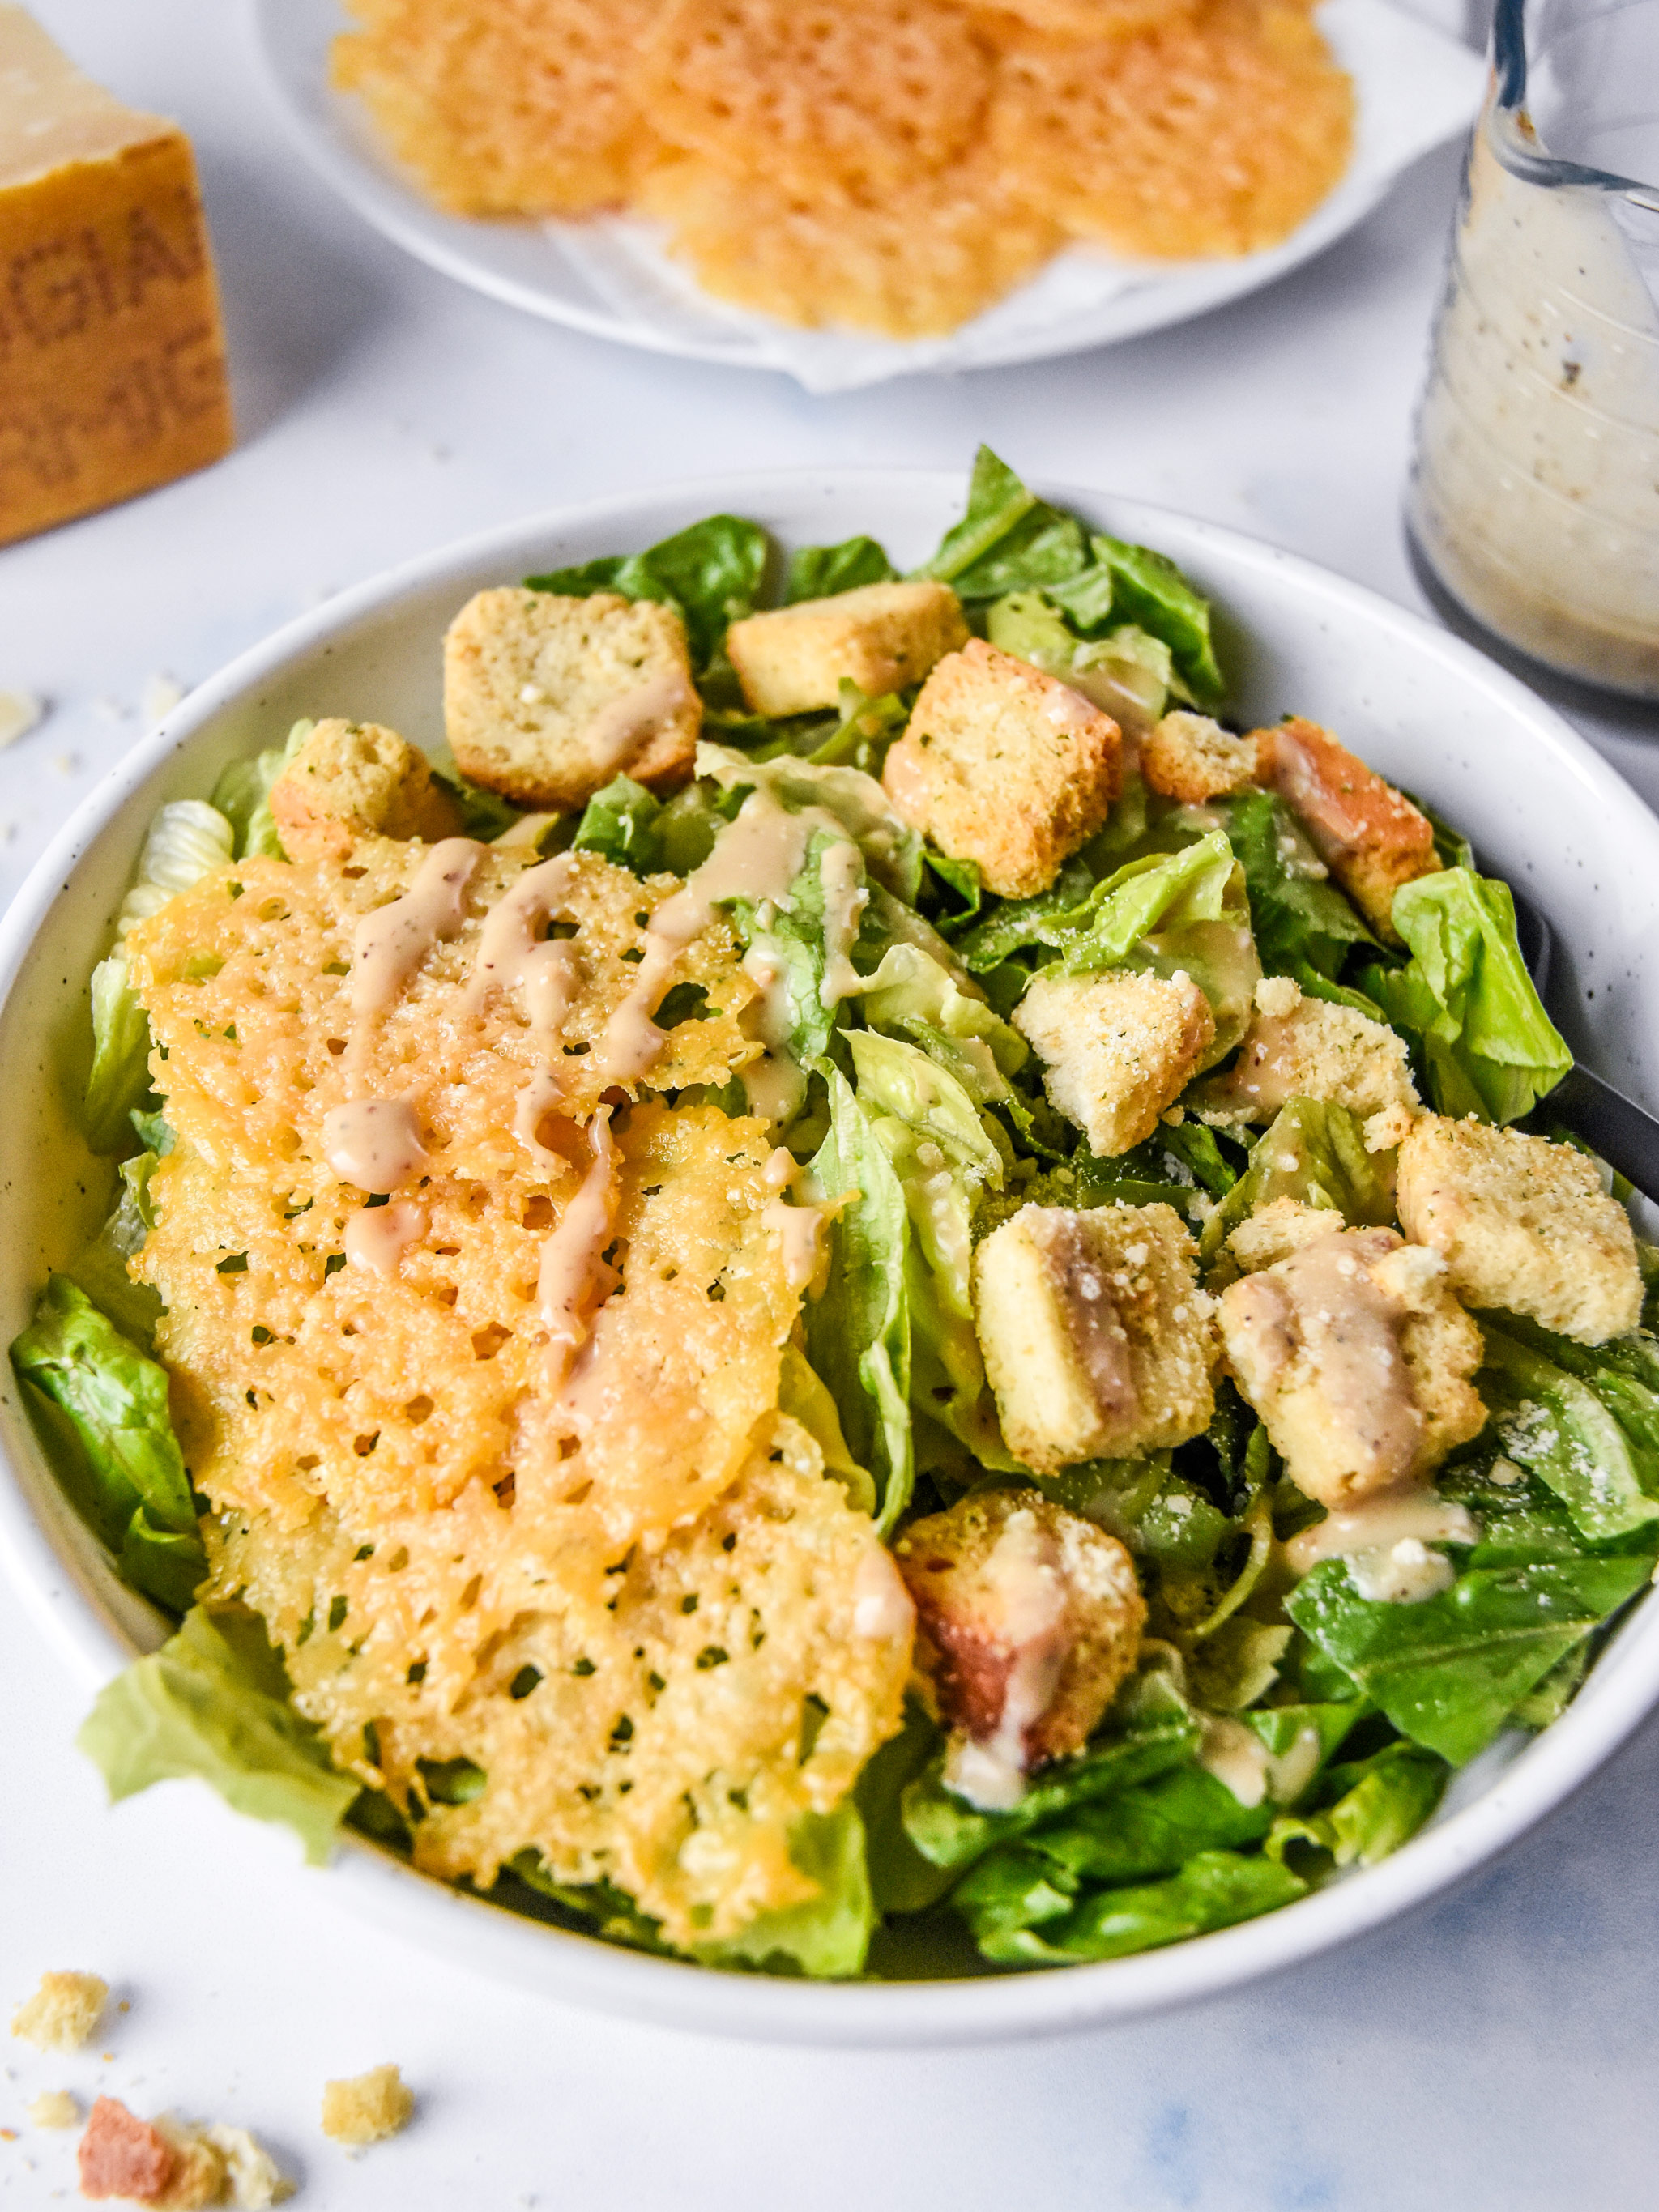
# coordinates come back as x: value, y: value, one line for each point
x: 610, y: 277
x: 1427, y: 709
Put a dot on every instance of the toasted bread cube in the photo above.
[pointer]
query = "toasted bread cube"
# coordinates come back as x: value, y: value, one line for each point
x: 1368, y: 834
x: 121, y: 2156
x: 1522, y: 1224
x: 1006, y: 767
x: 1191, y: 758
x: 368, y: 2107
x: 546, y: 699
x: 1116, y: 1048
x: 1097, y: 1340
x: 1275, y: 1230
x: 352, y: 779
x: 883, y: 637
x: 1028, y: 1618
x: 1357, y: 1355
x: 62, y: 2011
x: 1302, y: 1047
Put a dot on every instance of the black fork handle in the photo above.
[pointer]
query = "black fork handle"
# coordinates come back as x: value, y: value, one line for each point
x: 1625, y: 1134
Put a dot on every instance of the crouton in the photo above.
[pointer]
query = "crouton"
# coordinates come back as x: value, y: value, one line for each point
x: 1028, y: 1619
x: 368, y: 2107
x: 1006, y: 767
x: 545, y: 698
x: 1192, y: 758
x: 54, y: 2108
x: 1116, y: 1048
x: 1368, y: 834
x: 257, y: 2181
x: 1303, y: 1047
x: 1097, y: 1340
x: 1277, y: 1229
x: 198, y: 2176
x: 1357, y: 1355
x: 352, y: 779
x: 883, y: 637
x: 1522, y: 1224
x: 62, y: 2012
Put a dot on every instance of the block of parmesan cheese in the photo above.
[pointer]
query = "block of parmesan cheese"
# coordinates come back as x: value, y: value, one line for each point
x: 111, y: 356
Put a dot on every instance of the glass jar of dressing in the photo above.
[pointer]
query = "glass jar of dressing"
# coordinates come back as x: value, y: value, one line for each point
x: 1534, y: 494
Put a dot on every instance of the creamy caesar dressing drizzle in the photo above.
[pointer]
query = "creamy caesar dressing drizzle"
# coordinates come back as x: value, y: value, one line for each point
x: 777, y: 1082
x: 1024, y: 1575
x: 799, y: 1229
x: 840, y: 871
x: 573, y: 1276
x: 882, y: 1608
x: 377, y: 1236
x: 1067, y: 709
x: 374, y: 1142
x: 1385, y: 1542
x: 514, y: 957
x: 391, y: 941
x: 1097, y: 1334
x: 757, y: 857
x: 623, y: 725
x: 1290, y: 1773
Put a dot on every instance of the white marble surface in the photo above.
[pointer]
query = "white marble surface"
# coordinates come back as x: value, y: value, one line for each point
x: 1495, y: 2055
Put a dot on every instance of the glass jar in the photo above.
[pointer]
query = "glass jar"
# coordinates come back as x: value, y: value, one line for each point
x: 1534, y: 493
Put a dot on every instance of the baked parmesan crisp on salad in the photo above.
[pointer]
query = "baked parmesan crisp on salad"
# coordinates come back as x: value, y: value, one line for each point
x: 861, y: 1292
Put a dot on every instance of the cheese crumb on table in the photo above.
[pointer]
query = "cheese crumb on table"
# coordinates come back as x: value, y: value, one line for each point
x: 114, y: 378
x: 62, y: 2012
x: 20, y: 713
x: 54, y: 2108
x: 368, y: 2107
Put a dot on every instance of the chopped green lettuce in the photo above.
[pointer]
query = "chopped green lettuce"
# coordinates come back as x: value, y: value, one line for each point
x: 187, y: 841
x: 1009, y: 539
x: 1126, y: 671
x: 1214, y: 1889
x: 619, y: 823
x: 1558, y: 1426
x: 113, y: 1448
x: 100, y: 1270
x: 821, y: 572
x: 1313, y: 1150
x: 891, y: 848
x: 242, y: 795
x: 828, y: 1935
x: 711, y: 572
x: 1149, y: 588
x: 1301, y: 920
x: 214, y: 1703
x: 1465, y: 996
x: 1449, y: 1671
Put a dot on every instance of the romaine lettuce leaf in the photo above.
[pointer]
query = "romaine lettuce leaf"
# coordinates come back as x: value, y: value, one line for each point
x: 1214, y: 1889
x: 1449, y: 1671
x: 1150, y: 591
x: 1488, y: 1046
x: 711, y: 572
x: 242, y: 795
x: 115, y: 1450
x: 1128, y: 672
x: 806, y: 1400
x: 101, y: 1269
x: 1009, y: 539
x: 891, y: 848
x: 214, y: 1702
x: 912, y: 995
x: 619, y: 823
x: 1299, y: 916
x: 858, y: 1334
x: 1313, y: 1151
x: 820, y: 572
x: 1560, y: 1427
x: 187, y: 841
x: 827, y: 1937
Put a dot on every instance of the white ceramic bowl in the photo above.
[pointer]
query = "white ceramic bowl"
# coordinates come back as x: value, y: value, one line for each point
x: 1429, y: 711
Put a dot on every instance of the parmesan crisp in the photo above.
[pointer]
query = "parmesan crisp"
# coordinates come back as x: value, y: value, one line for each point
x: 610, y: 1595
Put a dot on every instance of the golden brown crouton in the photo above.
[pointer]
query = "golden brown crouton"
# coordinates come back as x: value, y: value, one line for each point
x: 1357, y: 1355
x: 1097, y: 1340
x: 1028, y: 1619
x: 367, y: 2107
x: 1006, y: 767
x: 1303, y: 1047
x: 1522, y: 1224
x: 547, y: 698
x: 54, y: 2108
x: 61, y: 2013
x: 1116, y: 1048
x: 352, y: 779
x: 1191, y: 758
x: 1368, y: 834
x: 883, y: 637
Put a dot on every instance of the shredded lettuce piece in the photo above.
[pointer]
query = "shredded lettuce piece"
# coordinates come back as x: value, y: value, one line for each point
x: 187, y: 841
x: 214, y: 1702
x: 891, y: 848
x: 711, y: 572
x: 1128, y: 672
x: 114, y: 1448
x: 1313, y: 1151
x: 828, y: 1935
x: 1560, y: 1427
x: 1008, y: 540
x: 1488, y: 1046
x: 821, y: 572
x: 805, y: 1398
x: 620, y: 823
x: 242, y: 795
x: 1302, y: 920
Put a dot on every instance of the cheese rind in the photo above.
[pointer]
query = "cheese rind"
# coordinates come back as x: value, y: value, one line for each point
x: 113, y: 374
